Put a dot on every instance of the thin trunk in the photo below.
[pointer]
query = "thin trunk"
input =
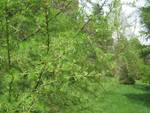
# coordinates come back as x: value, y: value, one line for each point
x: 47, y: 27
x: 7, y: 38
x: 10, y: 88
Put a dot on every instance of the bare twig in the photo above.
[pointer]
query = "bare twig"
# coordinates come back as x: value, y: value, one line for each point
x: 61, y: 11
x: 90, y: 19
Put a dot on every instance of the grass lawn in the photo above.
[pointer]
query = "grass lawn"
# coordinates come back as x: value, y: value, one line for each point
x: 117, y: 99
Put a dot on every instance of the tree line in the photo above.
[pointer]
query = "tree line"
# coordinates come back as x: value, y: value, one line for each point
x: 51, y: 51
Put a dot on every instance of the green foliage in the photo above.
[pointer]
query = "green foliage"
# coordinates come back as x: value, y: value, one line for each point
x: 145, y: 15
x: 128, y: 59
x: 145, y: 71
x: 51, y: 59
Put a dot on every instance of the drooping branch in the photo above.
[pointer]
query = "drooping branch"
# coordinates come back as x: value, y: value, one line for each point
x: 39, y: 80
x: 90, y: 19
x: 61, y: 11
x: 39, y: 27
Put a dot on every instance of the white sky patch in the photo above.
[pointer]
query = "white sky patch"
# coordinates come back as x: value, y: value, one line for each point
x: 130, y: 17
x: 86, y: 6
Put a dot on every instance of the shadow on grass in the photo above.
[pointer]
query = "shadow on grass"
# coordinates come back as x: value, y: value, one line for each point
x: 143, y: 98
x: 140, y: 98
x: 143, y: 87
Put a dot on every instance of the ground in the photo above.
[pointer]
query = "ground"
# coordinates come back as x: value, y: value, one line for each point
x: 117, y: 99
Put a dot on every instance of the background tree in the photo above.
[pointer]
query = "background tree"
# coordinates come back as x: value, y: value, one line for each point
x: 145, y: 19
x: 61, y: 55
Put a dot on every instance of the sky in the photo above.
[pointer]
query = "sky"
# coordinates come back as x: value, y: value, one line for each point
x: 130, y: 16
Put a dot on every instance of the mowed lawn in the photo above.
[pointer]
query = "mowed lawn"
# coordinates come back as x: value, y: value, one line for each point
x: 117, y: 99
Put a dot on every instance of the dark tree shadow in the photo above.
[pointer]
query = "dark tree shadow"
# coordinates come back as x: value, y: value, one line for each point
x: 140, y: 98
x: 143, y: 87
x: 143, y: 98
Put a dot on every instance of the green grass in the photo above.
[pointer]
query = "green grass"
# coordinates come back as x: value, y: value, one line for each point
x: 117, y: 99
